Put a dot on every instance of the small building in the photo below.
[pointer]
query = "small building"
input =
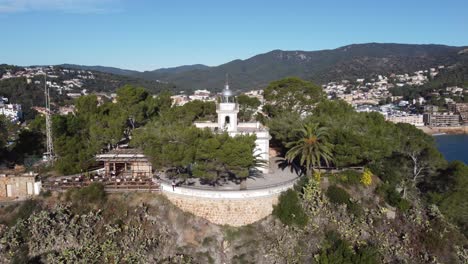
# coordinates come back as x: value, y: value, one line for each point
x: 431, y: 108
x: 12, y: 111
x: 65, y: 110
x: 19, y: 186
x: 126, y: 162
x: 462, y: 110
x: 442, y: 120
x: 180, y: 99
x: 458, y: 107
x: 415, y: 120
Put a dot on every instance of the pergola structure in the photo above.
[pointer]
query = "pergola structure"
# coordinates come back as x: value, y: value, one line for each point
x: 126, y: 162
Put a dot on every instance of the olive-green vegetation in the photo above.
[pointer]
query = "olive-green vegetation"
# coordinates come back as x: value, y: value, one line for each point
x: 311, y: 148
x: 111, y: 230
x: 291, y: 95
x: 14, y: 213
x: 164, y: 132
x: 247, y: 107
x: 412, y: 174
x: 93, y: 193
x: 449, y: 190
x: 337, y: 250
x: 339, y: 196
x: 289, y: 209
x: 20, y: 145
x: 27, y: 147
x: 365, y: 139
x: 96, y: 126
x: 348, y: 177
x: 187, y: 151
x: 174, y: 144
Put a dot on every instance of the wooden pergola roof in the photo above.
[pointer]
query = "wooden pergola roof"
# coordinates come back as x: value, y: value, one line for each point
x: 122, y: 155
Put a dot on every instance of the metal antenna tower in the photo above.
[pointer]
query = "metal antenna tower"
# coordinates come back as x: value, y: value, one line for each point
x: 49, y: 155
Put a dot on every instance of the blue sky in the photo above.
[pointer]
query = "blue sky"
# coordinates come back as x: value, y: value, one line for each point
x: 145, y: 35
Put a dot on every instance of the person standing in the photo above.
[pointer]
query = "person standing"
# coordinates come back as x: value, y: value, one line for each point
x: 173, y: 185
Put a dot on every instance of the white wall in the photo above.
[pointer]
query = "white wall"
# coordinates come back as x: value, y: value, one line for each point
x: 206, y: 124
x: 240, y: 194
x: 232, y: 126
x: 37, y: 188
x: 262, y: 149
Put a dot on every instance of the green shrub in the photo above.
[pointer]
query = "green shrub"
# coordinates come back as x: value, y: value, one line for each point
x: 300, y: 184
x: 46, y: 194
x: 337, y: 195
x: 367, y: 255
x: 289, y: 209
x: 349, y: 177
x: 337, y: 250
x: 355, y: 209
x: 94, y: 193
x: 26, y: 209
x: 393, y: 198
x: 404, y: 205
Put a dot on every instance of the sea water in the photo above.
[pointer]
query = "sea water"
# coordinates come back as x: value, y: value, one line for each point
x: 453, y: 147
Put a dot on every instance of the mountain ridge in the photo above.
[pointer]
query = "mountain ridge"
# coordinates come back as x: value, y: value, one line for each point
x: 320, y: 66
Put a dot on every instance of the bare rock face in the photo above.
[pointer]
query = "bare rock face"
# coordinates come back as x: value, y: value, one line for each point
x: 391, y: 213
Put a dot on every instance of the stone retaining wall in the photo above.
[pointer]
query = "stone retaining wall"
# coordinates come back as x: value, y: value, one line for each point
x: 233, y: 212
x: 234, y: 208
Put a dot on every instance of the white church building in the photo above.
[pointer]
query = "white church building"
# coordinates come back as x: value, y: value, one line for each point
x: 227, y: 110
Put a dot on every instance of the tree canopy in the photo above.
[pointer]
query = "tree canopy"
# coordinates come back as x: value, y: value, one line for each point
x: 96, y: 126
x: 196, y: 152
x: 291, y: 95
x: 247, y: 107
x: 311, y: 147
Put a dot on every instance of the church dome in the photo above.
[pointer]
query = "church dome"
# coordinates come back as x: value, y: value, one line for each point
x: 227, y: 92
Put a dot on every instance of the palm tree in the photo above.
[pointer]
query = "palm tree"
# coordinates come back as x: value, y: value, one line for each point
x: 311, y: 148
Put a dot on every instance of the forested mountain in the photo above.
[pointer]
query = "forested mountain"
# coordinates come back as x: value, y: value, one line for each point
x: 164, y: 74
x: 348, y: 62
x: 352, y: 61
x: 104, y: 69
x: 149, y: 75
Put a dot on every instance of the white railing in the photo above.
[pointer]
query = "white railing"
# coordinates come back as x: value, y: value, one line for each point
x: 207, y: 192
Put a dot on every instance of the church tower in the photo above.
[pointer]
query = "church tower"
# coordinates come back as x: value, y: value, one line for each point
x: 227, y: 110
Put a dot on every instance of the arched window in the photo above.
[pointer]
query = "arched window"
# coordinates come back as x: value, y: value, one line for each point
x: 227, y: 120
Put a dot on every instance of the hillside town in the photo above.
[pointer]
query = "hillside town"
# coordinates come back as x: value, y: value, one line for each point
x: 374, y: 95
x: 64, y: 81
x: 364, y: 94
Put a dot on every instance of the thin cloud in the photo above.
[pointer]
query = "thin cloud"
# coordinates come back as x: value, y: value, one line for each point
x: 66, y: 6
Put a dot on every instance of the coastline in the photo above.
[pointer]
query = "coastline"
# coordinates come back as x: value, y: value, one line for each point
x: 458, y: 130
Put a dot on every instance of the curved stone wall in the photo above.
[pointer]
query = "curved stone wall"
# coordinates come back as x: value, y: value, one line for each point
x: 234, y: 208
